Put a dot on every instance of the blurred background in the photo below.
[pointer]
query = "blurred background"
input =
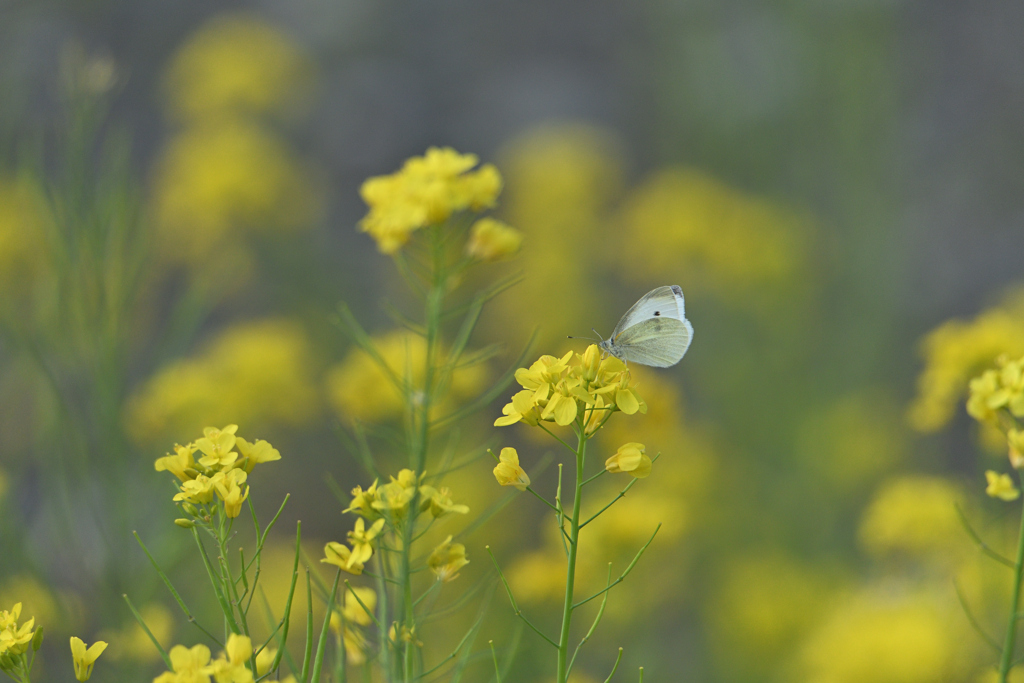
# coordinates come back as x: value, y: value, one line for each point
x: 835, y: 185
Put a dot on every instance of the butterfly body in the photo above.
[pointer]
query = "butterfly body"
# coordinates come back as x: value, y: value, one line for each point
x: 654, y: 331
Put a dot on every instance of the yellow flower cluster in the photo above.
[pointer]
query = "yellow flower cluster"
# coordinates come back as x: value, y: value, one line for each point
x: 427, y: 190
x: 584, y: 386
x: 490, y: 240
x: 14, y: 639
x: 219, y: 471
x: 738, y: 245
x: 391, y: 504
x: 193, y: 665
x: 357, y: 612
x: 998, y: 390
x: 955, y: 351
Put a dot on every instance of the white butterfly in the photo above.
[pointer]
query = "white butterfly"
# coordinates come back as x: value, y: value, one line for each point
x: 654, y: 331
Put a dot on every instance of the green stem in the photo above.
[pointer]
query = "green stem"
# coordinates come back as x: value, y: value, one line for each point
x: 1006, y: 663
x: 570, y: 576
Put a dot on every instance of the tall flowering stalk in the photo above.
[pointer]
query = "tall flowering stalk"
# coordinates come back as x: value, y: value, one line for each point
x: 212, y: 487
x: 426, y: 217
x: 997, y: 400
x: 582, y: 392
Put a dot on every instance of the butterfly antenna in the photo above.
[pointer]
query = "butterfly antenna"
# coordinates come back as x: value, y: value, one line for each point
x: 599, y: 337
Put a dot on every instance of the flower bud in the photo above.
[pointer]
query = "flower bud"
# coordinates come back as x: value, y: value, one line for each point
x: 185, y: 523
x: 37, y: 639
x: 591, y: 362
x: 190, y: 509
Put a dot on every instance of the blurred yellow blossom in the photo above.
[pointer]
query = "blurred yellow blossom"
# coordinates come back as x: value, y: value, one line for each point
x: 761, y: 606
x: 490, y: 240
x: 888, y: 638
x: 85, y: 658
x: 356, y: 613
x: 253, y: 372
x: 236, y: 64
x: 215, y: 181
x: 23, y: 234
x: 440, y: 502
x: 131, y: 641
x: 1001, y: 486
x: 265, y: 659
x: 38, y: 599
x: 427, y: 190
x: 913, y: 515
x: 631, y: 458
x: 360, y: 389
x: 955, y: 351
x: 729, y: 242
x: 189, y: 665
x: 447, y: 559
x: 508, y: 472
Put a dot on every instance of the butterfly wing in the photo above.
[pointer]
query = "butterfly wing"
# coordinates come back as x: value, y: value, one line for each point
x: 662, y: 302
x: 659, y: 341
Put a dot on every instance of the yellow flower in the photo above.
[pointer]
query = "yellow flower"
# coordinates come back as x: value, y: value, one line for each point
x: 230, y: 667
x: 447, y: 559
x: 490, y: 240
x: 199, y: 490
x: 256, y: 453
x: 178, y: 464
x: 524, y: 407
x: 440, y: 501
x: 1001, y: 486
x: 427, y: 190
x: 189, y: 665
x: 16, y: 640
x: 8, y: 619
x: 265, y: 659
x: 393, y: 500
x: 508, y: 472
x: 362, y: 501
x: 232, y: 490
x: 85, y: 658
x: 361, y: 540
x: 217, y: 445
x: 355, y: 646
x: 340, y: 556
x: 631, y: 458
